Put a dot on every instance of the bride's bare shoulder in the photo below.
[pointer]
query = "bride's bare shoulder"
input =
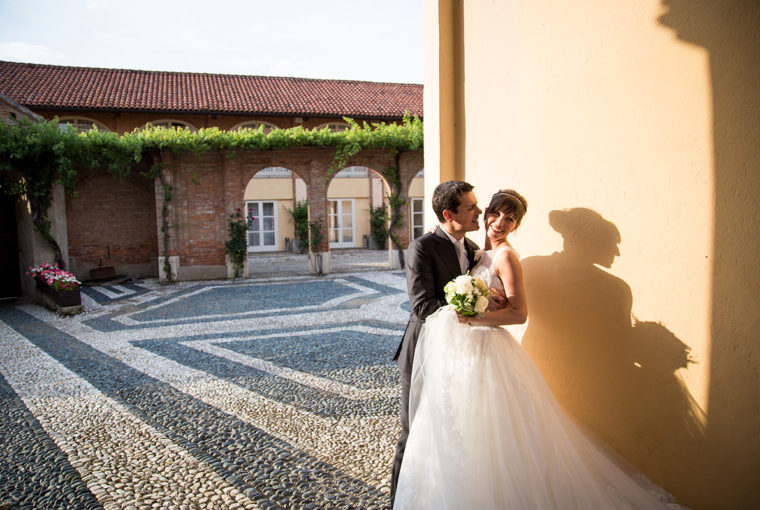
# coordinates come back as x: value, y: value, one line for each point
x: 506, y: 260
x: 506, y: 253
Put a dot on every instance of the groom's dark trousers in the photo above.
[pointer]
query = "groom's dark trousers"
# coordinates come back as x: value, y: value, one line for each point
x: 431, y: 262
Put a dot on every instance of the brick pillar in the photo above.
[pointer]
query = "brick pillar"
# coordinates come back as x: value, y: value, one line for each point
x: 235, y: 181
x: 409, y: 164
x: 401, y: 231
x: 319, y: 256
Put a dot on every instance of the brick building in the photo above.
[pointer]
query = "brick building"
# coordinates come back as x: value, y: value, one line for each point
x: 116, y: 223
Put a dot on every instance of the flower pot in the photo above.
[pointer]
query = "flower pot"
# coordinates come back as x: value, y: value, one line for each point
x: 62, y: 298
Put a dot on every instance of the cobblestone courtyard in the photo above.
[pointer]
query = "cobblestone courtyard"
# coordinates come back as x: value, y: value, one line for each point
x: 264, y: 393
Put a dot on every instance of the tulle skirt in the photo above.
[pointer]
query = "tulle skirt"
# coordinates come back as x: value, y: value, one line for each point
x: 487, y: 433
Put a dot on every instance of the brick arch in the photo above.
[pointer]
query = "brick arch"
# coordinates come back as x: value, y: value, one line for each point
x: 210, y: 186
x: 281, y: 188
x: 410, y: 163
x: 251, y: 170
x: 361, y: 208
x: 308, y: 163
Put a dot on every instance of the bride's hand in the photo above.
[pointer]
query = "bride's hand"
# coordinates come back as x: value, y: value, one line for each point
x: 497, y: 300
x: 464, y: 319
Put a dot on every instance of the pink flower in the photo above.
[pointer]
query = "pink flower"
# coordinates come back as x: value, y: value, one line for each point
x: 54, y: 276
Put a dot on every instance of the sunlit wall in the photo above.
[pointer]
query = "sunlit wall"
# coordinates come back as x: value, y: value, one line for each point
x: 632, y: 130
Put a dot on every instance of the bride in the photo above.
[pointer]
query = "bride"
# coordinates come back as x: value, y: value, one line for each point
x: 485, y: 430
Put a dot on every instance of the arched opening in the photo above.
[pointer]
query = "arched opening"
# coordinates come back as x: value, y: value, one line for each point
x: 270, y: 196
x: 333, y: 126
x: 255, y: 124
x: 171, y: 123
x: 81, y: 124
x: 354, y: 196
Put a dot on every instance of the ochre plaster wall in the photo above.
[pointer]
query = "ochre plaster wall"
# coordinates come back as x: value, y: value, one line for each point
x: 351, y: 187
x: 632, y: 131
x: 280, y: 190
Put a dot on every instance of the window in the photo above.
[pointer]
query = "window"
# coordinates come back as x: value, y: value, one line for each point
x: 170, y: 123
x: 255, y: 124
x: 333, y: 126
x: 416, y: 213
x: 262, y: 225
x: 353, y: 171
x: 341, y: 223
x: 274, y: 172
x: 79, y: 124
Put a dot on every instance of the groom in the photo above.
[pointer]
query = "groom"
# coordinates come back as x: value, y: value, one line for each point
x: 433, y: 260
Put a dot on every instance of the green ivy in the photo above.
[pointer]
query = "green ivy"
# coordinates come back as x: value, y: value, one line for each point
x: 378, y: 226
x: 34, y: 156
x: 316, y: 234
x: 300, y: 216
x: 236, y: 246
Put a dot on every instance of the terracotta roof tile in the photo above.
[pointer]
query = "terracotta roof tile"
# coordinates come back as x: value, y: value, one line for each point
x: 92, y: 89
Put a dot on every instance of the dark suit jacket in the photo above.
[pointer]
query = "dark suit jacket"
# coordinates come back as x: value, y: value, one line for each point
x: 431, y: 262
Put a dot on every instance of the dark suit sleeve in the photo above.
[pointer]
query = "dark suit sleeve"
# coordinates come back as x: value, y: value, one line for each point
x: 420, y: 280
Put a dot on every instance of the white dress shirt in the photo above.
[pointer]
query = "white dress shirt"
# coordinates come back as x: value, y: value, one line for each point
x: 464, y: 262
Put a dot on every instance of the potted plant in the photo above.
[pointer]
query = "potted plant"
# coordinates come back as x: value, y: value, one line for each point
x: 60, y: 286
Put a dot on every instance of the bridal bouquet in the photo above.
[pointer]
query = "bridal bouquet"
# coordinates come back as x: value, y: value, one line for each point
x: 467, y: 294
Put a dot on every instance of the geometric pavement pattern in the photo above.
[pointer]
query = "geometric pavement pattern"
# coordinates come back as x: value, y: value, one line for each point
x: 268, y: 393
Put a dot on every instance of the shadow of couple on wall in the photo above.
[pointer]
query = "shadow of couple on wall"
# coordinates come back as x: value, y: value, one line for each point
x: 616, y: 374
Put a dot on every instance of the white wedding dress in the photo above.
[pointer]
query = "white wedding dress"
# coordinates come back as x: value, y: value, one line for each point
x: 487, y: 433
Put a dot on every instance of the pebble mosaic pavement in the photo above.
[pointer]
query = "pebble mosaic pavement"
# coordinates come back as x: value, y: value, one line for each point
x: 275, y: 393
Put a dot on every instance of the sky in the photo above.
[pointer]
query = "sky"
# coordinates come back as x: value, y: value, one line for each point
x: 372, y: 40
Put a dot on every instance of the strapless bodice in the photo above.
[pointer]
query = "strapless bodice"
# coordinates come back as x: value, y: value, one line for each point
x: 484, y: 270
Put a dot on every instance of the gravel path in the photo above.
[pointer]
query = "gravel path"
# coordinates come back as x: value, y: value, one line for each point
x: 264, y: 393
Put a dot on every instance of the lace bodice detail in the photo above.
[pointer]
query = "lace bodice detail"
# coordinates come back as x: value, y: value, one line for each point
x: 484, y: 270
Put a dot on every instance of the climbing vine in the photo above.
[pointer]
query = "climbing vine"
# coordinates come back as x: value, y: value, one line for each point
x: 236, y: 246
x: 378, y: 226
x: 34, y: 156
x: 395, y: 138
x: 300, y: 216
x: 167, y: 188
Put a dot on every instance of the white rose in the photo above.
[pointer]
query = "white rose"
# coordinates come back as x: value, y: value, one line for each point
x: 463, y: 284
x: 481, y: 304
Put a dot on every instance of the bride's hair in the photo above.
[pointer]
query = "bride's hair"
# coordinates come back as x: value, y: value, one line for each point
x: 507, y: 201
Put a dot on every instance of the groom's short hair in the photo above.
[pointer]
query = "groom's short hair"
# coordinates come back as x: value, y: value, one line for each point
x: 447, y: 196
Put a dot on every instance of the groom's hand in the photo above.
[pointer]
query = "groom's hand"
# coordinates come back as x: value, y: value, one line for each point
x: 497, y: 300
